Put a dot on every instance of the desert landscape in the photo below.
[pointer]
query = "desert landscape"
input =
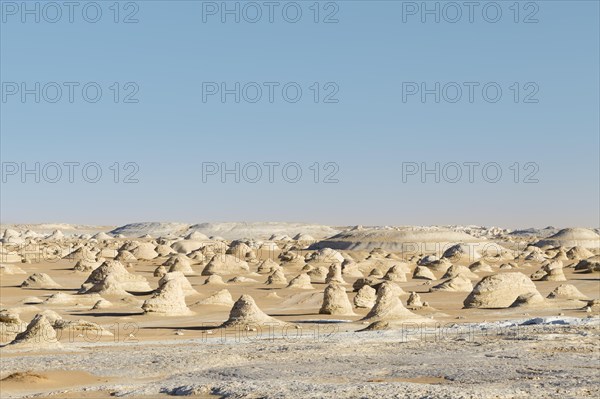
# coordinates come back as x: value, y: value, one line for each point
x: 292, y: 310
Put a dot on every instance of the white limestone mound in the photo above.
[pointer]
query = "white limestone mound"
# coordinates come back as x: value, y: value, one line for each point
x: 63, y: 299
x: 39, y: 334
x: 241, y: 250
x: 578, y: 252
x: 221, y: 298
x: 277, y: 277
x: 187, y: 246
x: 197, y: 236
x: 555, y: 274
x: 499, y: 290
x: 455, y: 284
x: 197, y: 256
x: 335, y: 301
x: 110, y: 285
x: 8, y: 269
x: 423, y: 273
x: 83, y: 328
x: 164, y: 250
x: 214, y: 279
x: 102, y: 304
x: 304, y: 238
x: 86, y: 265
x: 388, y: 306
x: 350, y: 269
x: 120, y: 280
x: 268, y: 266
x: 10, y: 325
x: 535, y: 257
x: 365, y: 297
x: 589, y: 265
x: 40, y: 280
x: 245, y: 313
x: 186, y: 286
x: 456, y: 270
x: 81, y: 253
x: 302, y: 281
x: 168, y: 300
x: 530, y: 299
x: 441, y: 265
x: 560, y: 255
x: 225, y: 264
x: 325, y: 255
x: 480, y: 267
x: 145, y: 251
x: 572, y: 237
x: 361, y: 282
x: 552, y: 271
x: 102, y: 236
x: 427, y: 260
x: 125, y: 256
x: 462, y: 252
x: 567, y: 291
x: 334, y: 276
x: 414, y: 301
x: 317, y: 274
x: 397, y: 273
x: 180, y: 263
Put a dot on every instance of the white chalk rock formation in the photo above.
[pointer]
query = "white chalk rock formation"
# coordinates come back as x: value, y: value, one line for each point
x: 39, y: 334
x: 277, y: 277
x: 268, y: 266
x: 112, y: 276
x: 40, y: 280
x: 221, y: 298
x: 186, y: 286
x: 423, y: 273
x: 245, y: 313
x: 334, y: 276
x: 335, y: 301
x: 480, y: 267
x: 455, y: 284
x: 214, y: 279
x: 530, y: 299
x: 499, y: 290
x: 397, y: 273
x: 463, y: 271
x: 145, y: 251
x: 302, y: 281
x: 365, y: 297
x: 567, y: 291
x: 388, y: 306
x: 414, y: 301
x: 225, y: 264
x: 168, y: 300
x: 8, y: 269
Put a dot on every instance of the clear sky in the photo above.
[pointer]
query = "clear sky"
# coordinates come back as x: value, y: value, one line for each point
x: 369, y: 129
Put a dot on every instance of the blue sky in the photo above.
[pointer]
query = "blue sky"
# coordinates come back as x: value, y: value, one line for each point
x: 369, y: 58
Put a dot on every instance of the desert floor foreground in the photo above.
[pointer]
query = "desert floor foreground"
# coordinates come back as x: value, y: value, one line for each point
x: 543, y: 350
x: 558, y: 361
